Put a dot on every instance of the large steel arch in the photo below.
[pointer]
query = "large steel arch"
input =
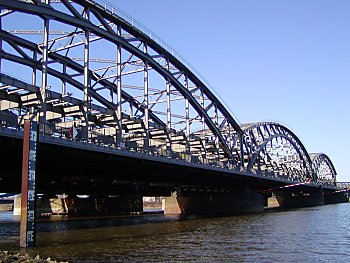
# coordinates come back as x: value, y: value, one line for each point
x: 272, y: 147
x: 324, y: 169
x: 90, y: 68
x: 89, y: 23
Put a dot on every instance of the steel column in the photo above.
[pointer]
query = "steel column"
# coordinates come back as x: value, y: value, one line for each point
x: 45, y: 49
x: 203, y: 124
x: 85, y: 125
x: 187, y: 106
x: 119, y: 89
x: 168, y: 108
x: 64, y: 83
x: 34, y: 69
x: 145, y: 99
x: 0, y: 39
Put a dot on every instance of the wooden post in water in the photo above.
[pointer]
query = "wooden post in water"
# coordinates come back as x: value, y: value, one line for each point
x: 27, y: 227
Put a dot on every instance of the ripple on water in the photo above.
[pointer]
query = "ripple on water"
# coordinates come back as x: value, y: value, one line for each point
x: 319, y: 234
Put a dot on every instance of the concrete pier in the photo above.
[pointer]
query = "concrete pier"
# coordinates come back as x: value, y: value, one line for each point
x: 289, y: 199
x: 44, y: 205
x: 122, y: 204
x: 85, y: 206
x: 214, y: 203
x: 337, y: 197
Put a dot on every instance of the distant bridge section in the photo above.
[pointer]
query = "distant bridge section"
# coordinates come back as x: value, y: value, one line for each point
x: 343, y: 185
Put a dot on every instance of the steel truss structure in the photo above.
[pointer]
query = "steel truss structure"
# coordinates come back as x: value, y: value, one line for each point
x: 86, y: 67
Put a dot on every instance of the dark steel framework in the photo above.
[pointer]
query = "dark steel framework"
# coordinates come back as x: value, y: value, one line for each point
x: 94, y: 68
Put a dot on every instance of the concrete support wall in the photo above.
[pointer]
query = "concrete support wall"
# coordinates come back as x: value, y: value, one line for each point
x: 234, y: 203
x: 44, y: 205
x: 297, y: 199
x: 105, y: 205
x: 272, y: 202
x: 17, y: 206
x: 6, y: 207
x: 85, y: 206
x: 335, y: 198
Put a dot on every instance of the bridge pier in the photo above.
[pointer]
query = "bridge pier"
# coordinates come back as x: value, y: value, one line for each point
x: 44, y: 205
x: 91, y: 205
x: 336, y: 197
x: 106, y: 205
x: 295, y: 199
x: 214, y: 203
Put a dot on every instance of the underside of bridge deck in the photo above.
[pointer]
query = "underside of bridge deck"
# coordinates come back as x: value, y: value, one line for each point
x: 62, y: 169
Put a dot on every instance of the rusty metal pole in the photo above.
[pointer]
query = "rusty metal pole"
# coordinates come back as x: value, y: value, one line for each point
x: 27, y: 227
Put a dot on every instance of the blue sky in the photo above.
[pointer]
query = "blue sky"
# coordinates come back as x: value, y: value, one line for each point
x: 286, y: 61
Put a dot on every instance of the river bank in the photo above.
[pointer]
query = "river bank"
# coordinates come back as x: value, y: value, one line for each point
x: 11, y: 256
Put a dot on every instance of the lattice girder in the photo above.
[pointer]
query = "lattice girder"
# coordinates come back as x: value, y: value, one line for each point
x: 88, y: 24
x: 89, y: 67
x: 324, y: 169
x: 271, y: 147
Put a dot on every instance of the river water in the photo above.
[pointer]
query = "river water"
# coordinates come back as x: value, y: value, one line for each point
x: 316, y: 234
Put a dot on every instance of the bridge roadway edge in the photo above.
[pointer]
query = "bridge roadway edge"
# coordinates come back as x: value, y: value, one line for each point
x: 200, y: 171
x: 196, y: 196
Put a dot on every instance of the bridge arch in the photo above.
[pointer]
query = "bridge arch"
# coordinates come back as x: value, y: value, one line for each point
x: 137, y: 55
x: 89, y: 67
x: 324, y: 169
x: 273, y: 148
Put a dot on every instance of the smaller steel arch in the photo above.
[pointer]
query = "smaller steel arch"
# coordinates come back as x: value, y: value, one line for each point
x: 323, y: 168
x: 259, y: 134
x: 257, y: 152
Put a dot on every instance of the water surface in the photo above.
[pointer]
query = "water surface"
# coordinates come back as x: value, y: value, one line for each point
x: 317, y: 234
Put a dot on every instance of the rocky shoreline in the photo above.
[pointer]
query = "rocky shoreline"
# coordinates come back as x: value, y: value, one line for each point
x: 10, y: 256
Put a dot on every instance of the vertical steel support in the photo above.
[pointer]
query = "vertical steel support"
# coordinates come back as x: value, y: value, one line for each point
x: 85, y: 124
x: 203, y: 125
x: 131, y: 112
x: 241, y: 149
x: 64, y: 83
x: 146, y: 106
x: 216, y: 121
x: 187, y: 106
x: 111, y: 95
x: 168, y: 106
x: 27, y: 227
x: 119, y: 89
x: 34, y: 69
x: 0, y: 39
x: 45, y: 48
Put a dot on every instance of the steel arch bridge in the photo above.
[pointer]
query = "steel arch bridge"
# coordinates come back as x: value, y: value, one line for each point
x: 84, y: 66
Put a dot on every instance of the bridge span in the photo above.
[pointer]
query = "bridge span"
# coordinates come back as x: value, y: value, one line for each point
x: 121, y: 113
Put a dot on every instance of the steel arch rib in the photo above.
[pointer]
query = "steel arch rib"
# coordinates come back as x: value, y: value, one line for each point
x: 262, y: 146
x: 44, y: 10
x: 315, y: 156
x: 318, y: 158
x: 175, y: 61
x: 308, y: 163
x: 257, y: 124
x: 73, y: 65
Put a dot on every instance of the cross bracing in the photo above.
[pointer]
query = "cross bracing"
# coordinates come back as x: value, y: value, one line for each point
x: 87, y: 65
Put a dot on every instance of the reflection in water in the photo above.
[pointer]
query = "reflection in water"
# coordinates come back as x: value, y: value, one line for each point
x: 304, y: 235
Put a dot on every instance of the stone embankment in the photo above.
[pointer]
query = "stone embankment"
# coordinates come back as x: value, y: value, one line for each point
x: 13, y: 257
